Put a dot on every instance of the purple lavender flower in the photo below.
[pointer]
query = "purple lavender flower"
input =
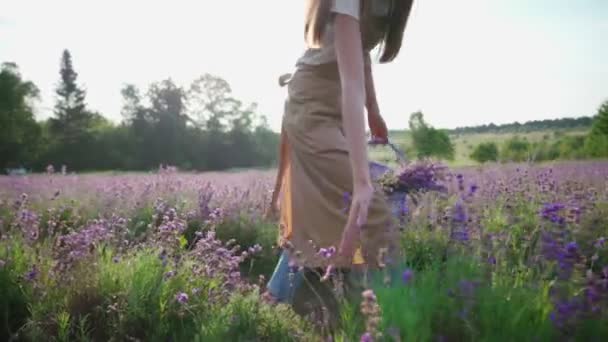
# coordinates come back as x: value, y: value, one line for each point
x: 256, y: 249
x: 459, y: 229
x: 572, y: 247
x: 367, y: 337
x: 327, y: 253
x: 407, y: 276
x: 492, y: 260
x: 460, y: 179
x: 473, y: 189
x: 181, y: 298
x: 32, y: 274
x: 552, y: 211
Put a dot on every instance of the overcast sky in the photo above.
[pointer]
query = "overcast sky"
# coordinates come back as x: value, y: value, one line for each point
x: 463, y: 62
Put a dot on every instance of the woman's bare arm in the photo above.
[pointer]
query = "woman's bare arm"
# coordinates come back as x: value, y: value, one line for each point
x: 371, y: 102
x: 349, y: 53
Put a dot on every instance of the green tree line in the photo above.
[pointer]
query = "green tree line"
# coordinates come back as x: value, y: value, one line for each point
x: 594, y: 144
x: 584, y: 122
x: 199, y: 127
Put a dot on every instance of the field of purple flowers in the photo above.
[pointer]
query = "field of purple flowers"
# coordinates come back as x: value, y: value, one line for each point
x: 504, y: 253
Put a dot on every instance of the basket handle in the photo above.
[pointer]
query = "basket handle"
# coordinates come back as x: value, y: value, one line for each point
x: 398, y: 152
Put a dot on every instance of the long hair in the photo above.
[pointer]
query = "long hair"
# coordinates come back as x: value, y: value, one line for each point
x: 389, y: 30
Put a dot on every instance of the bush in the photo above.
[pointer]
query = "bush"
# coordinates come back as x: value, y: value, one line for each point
x: 485, y: 152
x: 515, y: 149
x: 596, y: 145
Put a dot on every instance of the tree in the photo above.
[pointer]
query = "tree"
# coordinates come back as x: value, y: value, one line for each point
x: 600, y: 121
x: 70, y: 128
x: 485, y: 152
x: 168, y: 112
x: 429, y: 141
x: 19, y: 131
x: 596, y: 143
x: 211, y: 102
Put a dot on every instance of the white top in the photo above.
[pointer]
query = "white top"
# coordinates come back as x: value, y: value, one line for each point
x: 326, y: 54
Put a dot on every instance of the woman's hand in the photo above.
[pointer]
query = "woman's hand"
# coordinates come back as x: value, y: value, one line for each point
x: 377, y: 127
x: 361, y: 200
x: 272, y: 213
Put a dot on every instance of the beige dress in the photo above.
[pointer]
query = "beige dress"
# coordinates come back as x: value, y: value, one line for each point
x: 318, y: 173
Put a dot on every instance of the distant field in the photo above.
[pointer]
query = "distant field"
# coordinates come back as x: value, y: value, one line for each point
x: 465, y: 143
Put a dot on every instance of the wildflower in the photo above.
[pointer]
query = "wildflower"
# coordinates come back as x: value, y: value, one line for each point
x: 371, y: 310
x: 460, y: 179
x: 256, y: 249
x: 492, y: 260
x: 459, y: 230
x: 32, y: 273
x: 473, y: 189
x: 407, y: 276
x: 367, y: 337
x: 327, y: 253
x: 369, y: 295
x: 572, y: 247
x: 181, y: 298
x: 551, y: 212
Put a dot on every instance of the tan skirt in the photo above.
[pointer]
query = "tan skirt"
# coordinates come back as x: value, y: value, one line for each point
x: 318, y: 174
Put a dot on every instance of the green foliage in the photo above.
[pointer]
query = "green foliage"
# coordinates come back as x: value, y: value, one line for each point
x: 19, y: 133
x: 452, y: 301
x: 596, y: 144
x: 14, y: 300
x: 485, y: 152
x: 246, y: 319
x: 72, y: 123
x: 428, y: 141
x: 424, y: 248
x: 131, y: 296
x: 200, y: 128
x: 516, y: 149
x: 600, y: 121
x: 529, y: 126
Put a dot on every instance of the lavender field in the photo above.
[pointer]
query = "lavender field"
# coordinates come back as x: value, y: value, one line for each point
x: 509, y: 252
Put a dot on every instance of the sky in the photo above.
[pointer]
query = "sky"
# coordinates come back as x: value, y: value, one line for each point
x: 463, y: 63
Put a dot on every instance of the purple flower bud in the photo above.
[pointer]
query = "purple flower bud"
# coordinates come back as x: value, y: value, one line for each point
x: 367, y: 337
x: 407, y: 276
x: 572, y: 247
x: 181, y: 298
x: 492, y: 260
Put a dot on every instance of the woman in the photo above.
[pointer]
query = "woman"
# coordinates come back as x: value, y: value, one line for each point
x: 323, y: 154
